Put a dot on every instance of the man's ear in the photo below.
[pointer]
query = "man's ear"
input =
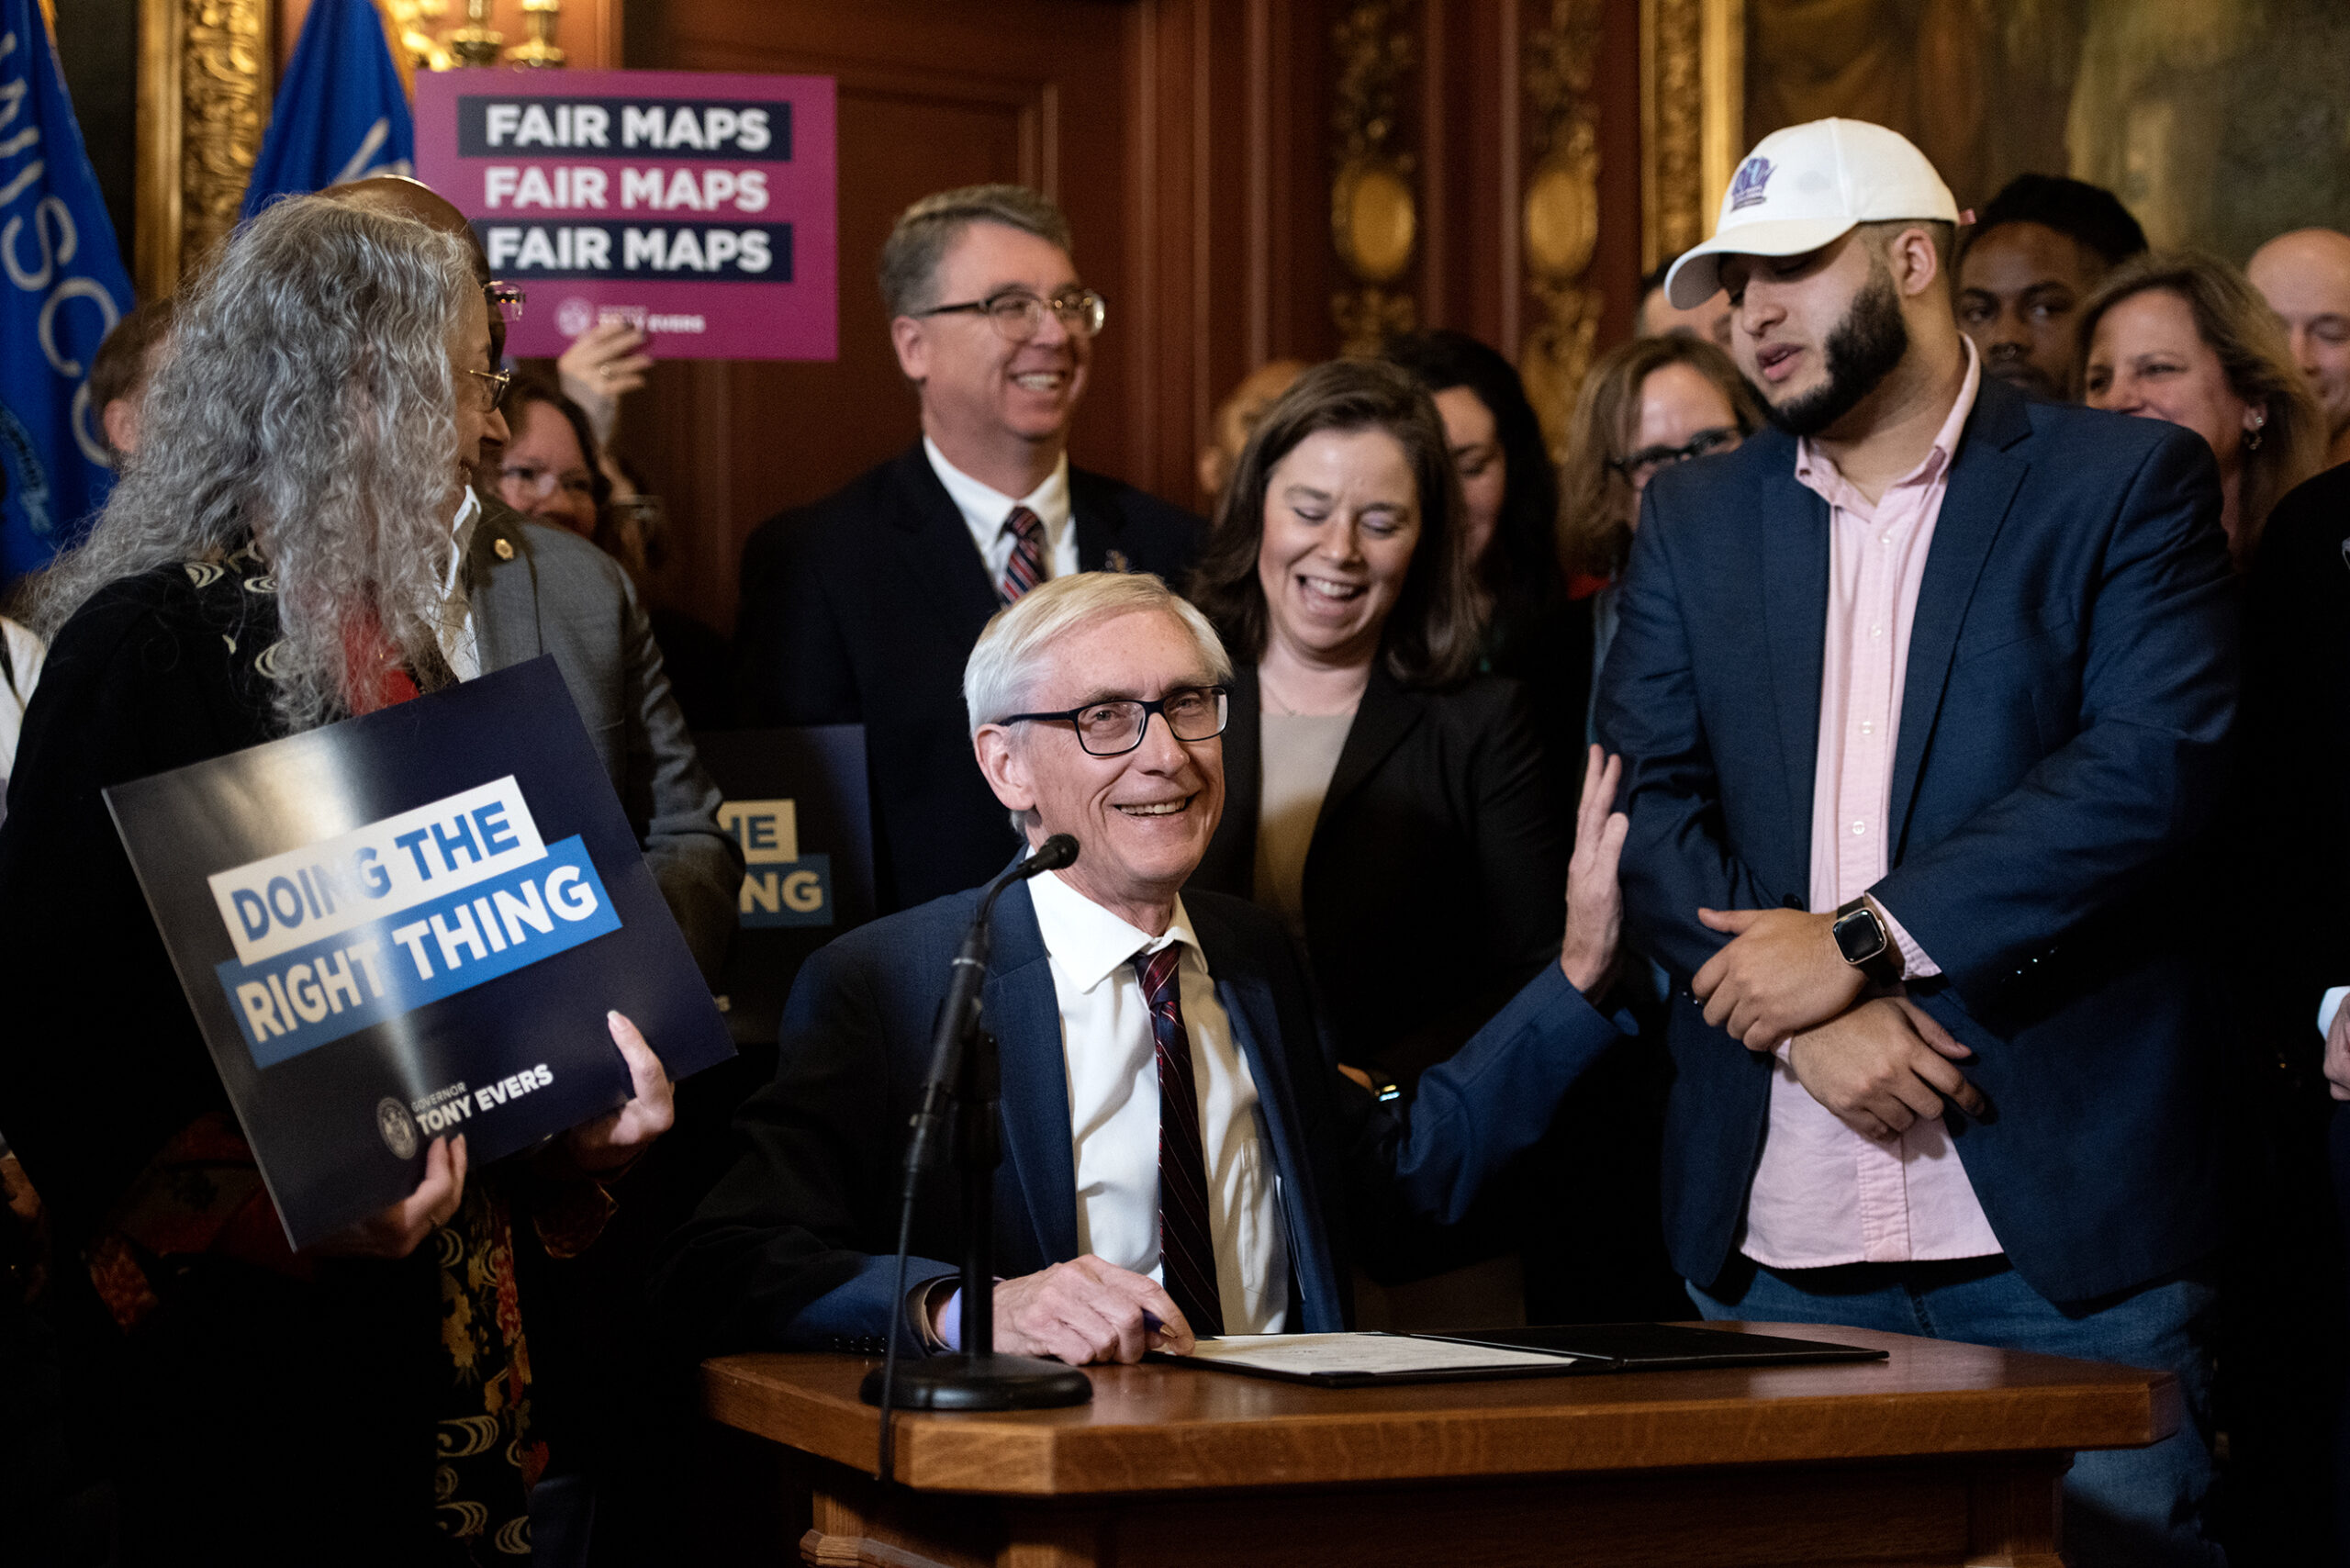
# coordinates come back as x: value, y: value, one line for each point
x: 119, y: 419
x: 1004, y: 766
x: 906, y: 335
x: 1915, y: 263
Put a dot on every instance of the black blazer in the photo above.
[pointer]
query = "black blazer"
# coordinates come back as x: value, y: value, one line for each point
x: 1551, y: 653
x: 2292, y: 796
x: 1435, y: 883
x: 862, y: 608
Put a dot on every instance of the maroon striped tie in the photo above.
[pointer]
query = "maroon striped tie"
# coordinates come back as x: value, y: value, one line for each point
x: 1186, y: 1238
x: 1026, y: 567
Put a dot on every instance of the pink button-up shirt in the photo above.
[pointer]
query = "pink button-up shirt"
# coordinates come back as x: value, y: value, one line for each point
x: 1824, y: 1194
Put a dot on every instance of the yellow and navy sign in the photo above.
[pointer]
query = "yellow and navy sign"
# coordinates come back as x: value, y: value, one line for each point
x: 780, y: 885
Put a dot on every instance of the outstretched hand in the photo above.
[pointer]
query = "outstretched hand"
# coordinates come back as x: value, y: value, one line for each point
x: 1595, y: 898
x: 613, y: 1140
x: 602, y: 365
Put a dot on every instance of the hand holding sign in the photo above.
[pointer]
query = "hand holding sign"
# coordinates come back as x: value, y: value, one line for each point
x: 608, y: 1143
x: 410, y: 926
x: 398, y: 1230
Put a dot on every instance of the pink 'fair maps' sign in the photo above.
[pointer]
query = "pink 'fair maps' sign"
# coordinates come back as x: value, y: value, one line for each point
x: 697, y: 206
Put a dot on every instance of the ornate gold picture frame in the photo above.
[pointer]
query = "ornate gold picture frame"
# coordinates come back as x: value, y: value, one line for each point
x: 1693, y: 118
x: 204, y: 88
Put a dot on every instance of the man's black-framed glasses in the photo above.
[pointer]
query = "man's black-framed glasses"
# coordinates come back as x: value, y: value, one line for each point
x: 1643, y: 466
x: 1114, y: 725
x: 1019, y: 315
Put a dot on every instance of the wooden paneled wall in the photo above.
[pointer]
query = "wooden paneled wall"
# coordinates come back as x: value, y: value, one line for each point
x: 1192, y: 143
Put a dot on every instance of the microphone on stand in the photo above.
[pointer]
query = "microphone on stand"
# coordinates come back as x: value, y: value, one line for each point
x: 963, y: 1068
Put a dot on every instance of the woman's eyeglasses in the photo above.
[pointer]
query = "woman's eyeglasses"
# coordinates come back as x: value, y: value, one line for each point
x: 493, y: 384
x: 1643, y: 464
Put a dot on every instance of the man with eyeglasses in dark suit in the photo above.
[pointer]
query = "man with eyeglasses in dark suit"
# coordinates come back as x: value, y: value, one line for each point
x: 862, y: 607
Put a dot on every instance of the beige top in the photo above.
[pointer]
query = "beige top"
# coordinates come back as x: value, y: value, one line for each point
x: 1299, y: 753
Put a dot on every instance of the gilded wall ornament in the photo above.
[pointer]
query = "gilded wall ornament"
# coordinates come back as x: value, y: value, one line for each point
x: 224, y: 107
x: 204, y: 73
x: 1374, y: 205
x: 1560, y: 209
x: 1693, y: 64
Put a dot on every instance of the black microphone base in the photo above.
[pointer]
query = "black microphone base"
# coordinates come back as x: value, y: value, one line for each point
x: 981, y: 1382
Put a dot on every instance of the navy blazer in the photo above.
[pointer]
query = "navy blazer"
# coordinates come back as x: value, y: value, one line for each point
x: 793, y: 1250
x: 863, y: 608
x: 2070, y: 689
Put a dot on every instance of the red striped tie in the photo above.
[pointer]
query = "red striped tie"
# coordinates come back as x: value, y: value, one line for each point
x: 1026, y: 567
x: 1186, y: 1237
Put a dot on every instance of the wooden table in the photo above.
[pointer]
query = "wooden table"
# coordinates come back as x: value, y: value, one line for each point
x: 1946, y: 1454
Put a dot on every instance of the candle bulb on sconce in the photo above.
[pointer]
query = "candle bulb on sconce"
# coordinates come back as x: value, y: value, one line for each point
x: 477, y: 43
x: 540, y: 52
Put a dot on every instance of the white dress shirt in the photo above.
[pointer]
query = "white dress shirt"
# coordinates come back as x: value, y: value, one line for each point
x: 456, y: 630
x: 1112, y: 1065
x: 984, y: 512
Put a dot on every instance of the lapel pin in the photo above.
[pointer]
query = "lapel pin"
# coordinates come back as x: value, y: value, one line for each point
x: 505, y: 548
x: 1117, y: 562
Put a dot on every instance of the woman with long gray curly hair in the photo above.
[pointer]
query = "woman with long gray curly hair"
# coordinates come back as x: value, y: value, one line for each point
x: 272, y: 559
x: 303, y: 408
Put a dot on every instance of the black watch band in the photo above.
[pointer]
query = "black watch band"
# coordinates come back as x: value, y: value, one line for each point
x: 1865, y: 944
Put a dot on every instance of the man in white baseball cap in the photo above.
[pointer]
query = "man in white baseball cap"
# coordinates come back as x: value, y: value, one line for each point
x: 1923, y: 698
x: 1790, y: 211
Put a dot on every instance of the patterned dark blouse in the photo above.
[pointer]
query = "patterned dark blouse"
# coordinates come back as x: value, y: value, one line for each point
x: 401, y: 1391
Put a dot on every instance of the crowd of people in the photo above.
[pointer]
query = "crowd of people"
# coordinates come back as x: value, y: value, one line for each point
x: 1848, y: 836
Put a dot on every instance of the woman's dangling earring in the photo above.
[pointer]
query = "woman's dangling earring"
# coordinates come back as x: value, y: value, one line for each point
x: 2252, y: 432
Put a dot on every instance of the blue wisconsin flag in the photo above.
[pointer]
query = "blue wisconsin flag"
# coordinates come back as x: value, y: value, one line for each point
x: 340, y: 113
x: 62, y: 287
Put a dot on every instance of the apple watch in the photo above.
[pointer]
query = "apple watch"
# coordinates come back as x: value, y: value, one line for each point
x: 1866, y: 944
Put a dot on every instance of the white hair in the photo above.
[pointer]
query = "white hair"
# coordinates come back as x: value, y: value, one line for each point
x: 1004, y: 667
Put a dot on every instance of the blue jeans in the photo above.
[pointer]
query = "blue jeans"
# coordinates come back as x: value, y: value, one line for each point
x: 2124, y: 1508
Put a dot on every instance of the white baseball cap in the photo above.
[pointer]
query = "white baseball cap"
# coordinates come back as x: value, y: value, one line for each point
x: 1806, y: 186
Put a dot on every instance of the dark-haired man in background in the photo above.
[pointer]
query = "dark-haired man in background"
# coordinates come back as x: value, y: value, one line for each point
x: 1922, y: 699
x: 861, y: 609
x: 2032, y: 257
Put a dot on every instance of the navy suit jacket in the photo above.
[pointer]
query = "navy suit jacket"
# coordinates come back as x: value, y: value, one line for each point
x: 2070, y: 689
x: 794, y: 1249
x: 863, y: 608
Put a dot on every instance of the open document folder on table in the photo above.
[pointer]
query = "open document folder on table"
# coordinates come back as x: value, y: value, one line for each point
x: 1356, y: 1361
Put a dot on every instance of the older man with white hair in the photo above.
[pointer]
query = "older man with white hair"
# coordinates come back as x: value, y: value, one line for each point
x: 1183, y: 1156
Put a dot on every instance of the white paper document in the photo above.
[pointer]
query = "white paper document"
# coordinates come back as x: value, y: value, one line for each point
x: 1378, y: 1354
